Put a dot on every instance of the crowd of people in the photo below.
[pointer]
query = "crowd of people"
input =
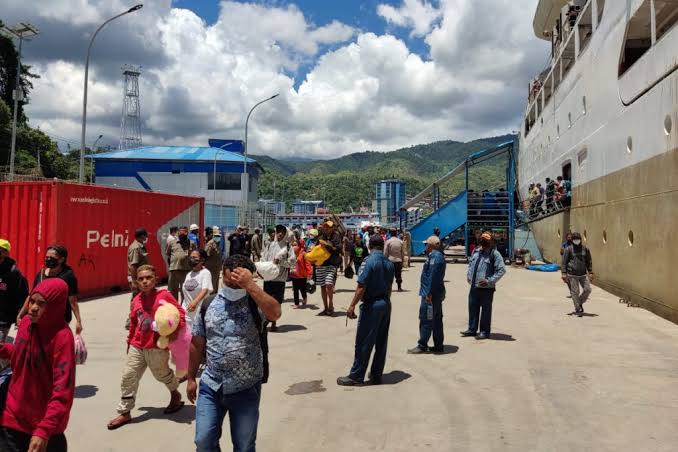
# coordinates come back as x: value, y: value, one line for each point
x: 227, y: 314
x: 553, y: 196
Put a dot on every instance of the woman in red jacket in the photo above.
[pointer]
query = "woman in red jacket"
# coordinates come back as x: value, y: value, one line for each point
x: 40, y: 393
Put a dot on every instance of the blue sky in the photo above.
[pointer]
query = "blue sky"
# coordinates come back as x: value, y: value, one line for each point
x: 352, y: 75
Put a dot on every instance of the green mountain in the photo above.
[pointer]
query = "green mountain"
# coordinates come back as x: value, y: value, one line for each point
x: 348, y: 182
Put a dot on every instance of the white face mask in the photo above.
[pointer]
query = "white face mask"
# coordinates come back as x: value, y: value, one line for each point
x: 233, y: 294
x: 576, y: 242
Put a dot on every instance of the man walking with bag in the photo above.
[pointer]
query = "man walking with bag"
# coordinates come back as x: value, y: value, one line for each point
x: 577, y: 268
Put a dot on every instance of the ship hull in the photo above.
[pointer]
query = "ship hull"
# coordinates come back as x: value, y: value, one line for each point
x: 628, y: 219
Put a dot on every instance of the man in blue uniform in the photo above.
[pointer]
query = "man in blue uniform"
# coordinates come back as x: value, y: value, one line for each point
x: 432, y: 292
x: 374, y: 289
x: 485, y: 268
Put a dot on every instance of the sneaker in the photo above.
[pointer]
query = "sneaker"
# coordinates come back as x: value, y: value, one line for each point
x: 347, y: 381
x: 417, y: 351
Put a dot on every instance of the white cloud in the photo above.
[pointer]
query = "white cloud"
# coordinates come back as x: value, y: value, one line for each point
x: 369, y: 91
x: 419, y: 15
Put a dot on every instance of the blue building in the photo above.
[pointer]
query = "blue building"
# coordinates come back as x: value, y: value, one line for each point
x: 214, y: 173
x: 307, y: 207
x: 390, y: 195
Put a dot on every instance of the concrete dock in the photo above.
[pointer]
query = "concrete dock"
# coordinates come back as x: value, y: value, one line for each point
x: 546, y: 382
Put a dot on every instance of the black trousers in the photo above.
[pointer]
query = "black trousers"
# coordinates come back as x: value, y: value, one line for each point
x: 480, y: 299
x: 398, y: 272
x: 15, y: 441
x: 298, y: 287
x: 276, y: 289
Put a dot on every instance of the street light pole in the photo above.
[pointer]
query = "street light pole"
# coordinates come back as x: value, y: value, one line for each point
x: 91, y: 165
x: 245, y: 190
x: 81, y: 174
x: 21, y: 31
x: 214, y: 178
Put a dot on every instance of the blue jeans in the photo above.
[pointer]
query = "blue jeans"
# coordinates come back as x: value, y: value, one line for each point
x: 477, y: 299
x: 434, y: 326
x: 373, y: 324
x: 243, y: 410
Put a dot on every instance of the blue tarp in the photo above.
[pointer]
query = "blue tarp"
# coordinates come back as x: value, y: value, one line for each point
x: 544, y: 267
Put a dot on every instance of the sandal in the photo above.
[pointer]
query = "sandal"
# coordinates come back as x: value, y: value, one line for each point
x: 119, y: 421
x: 174, y: 407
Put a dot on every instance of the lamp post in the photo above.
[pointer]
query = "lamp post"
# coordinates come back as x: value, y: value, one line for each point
x: 214, y: 178
x: 245, y: 188
x: 81, y: 175
x: 91, y: 165
x: 21, y: 31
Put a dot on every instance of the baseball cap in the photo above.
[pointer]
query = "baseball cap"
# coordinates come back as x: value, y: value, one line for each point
x: 194, y: 227
x: 216, y: 230
x: 432, y: 240
x: 5, y: 245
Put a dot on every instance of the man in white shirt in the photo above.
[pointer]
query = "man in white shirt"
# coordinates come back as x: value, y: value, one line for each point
x: 394, y: 252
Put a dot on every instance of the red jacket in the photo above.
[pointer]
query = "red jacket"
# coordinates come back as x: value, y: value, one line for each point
x: 42, y: 357
x: 303, y: 269
x: 142, y: 314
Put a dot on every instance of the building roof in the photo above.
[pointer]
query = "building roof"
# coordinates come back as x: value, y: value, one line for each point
x: 183, y: 153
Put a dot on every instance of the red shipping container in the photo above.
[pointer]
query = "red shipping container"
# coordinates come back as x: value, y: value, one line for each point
x: 95, y: 223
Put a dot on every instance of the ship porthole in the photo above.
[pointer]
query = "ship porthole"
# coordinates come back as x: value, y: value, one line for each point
x: 629, y: 145
x: 604, y: 236
x: 668, y: 125
x: 630, y: 238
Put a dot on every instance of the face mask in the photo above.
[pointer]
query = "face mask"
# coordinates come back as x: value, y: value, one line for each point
x: 194, y: 262
x: 217, y: 239
x: 51, y: 262
x: 576, y: 242
x: 233, y: 294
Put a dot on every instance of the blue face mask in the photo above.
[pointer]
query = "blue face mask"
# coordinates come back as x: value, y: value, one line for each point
x: 217, y: 239
x: 233, y: 294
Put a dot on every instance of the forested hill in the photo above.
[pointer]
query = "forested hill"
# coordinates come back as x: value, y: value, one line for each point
x: 348, y: 182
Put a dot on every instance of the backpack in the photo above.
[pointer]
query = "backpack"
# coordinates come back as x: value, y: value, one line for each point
x: 258, y: 322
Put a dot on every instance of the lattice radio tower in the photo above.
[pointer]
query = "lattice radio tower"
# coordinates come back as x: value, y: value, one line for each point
x: 130, y: 123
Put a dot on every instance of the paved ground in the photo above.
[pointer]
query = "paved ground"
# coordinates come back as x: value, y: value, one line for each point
x: 548, y: 382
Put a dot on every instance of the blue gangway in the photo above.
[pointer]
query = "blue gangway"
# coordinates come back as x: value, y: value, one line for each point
x: 450, y: 217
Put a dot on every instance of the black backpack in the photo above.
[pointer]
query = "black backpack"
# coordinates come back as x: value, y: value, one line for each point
x: 258, y: 322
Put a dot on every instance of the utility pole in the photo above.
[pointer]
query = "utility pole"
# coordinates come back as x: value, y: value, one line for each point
x: 21, y: 31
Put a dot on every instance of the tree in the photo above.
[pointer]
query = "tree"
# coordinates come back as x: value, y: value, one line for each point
x: 9, y: 57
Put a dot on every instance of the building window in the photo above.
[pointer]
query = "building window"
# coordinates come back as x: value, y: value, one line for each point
x: 638, y: 38
x: 667, y: 16
x: 225, y: 181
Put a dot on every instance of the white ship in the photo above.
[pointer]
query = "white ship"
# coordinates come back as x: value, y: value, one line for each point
x: 605, y: 114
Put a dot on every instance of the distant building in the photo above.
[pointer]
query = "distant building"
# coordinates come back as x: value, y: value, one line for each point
x: 186, y: 170
x: 273, y: 206
x: 307, y: 207
x: 389, y: 196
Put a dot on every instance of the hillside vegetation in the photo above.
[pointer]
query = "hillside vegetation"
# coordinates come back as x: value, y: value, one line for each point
x: 348, y: 182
